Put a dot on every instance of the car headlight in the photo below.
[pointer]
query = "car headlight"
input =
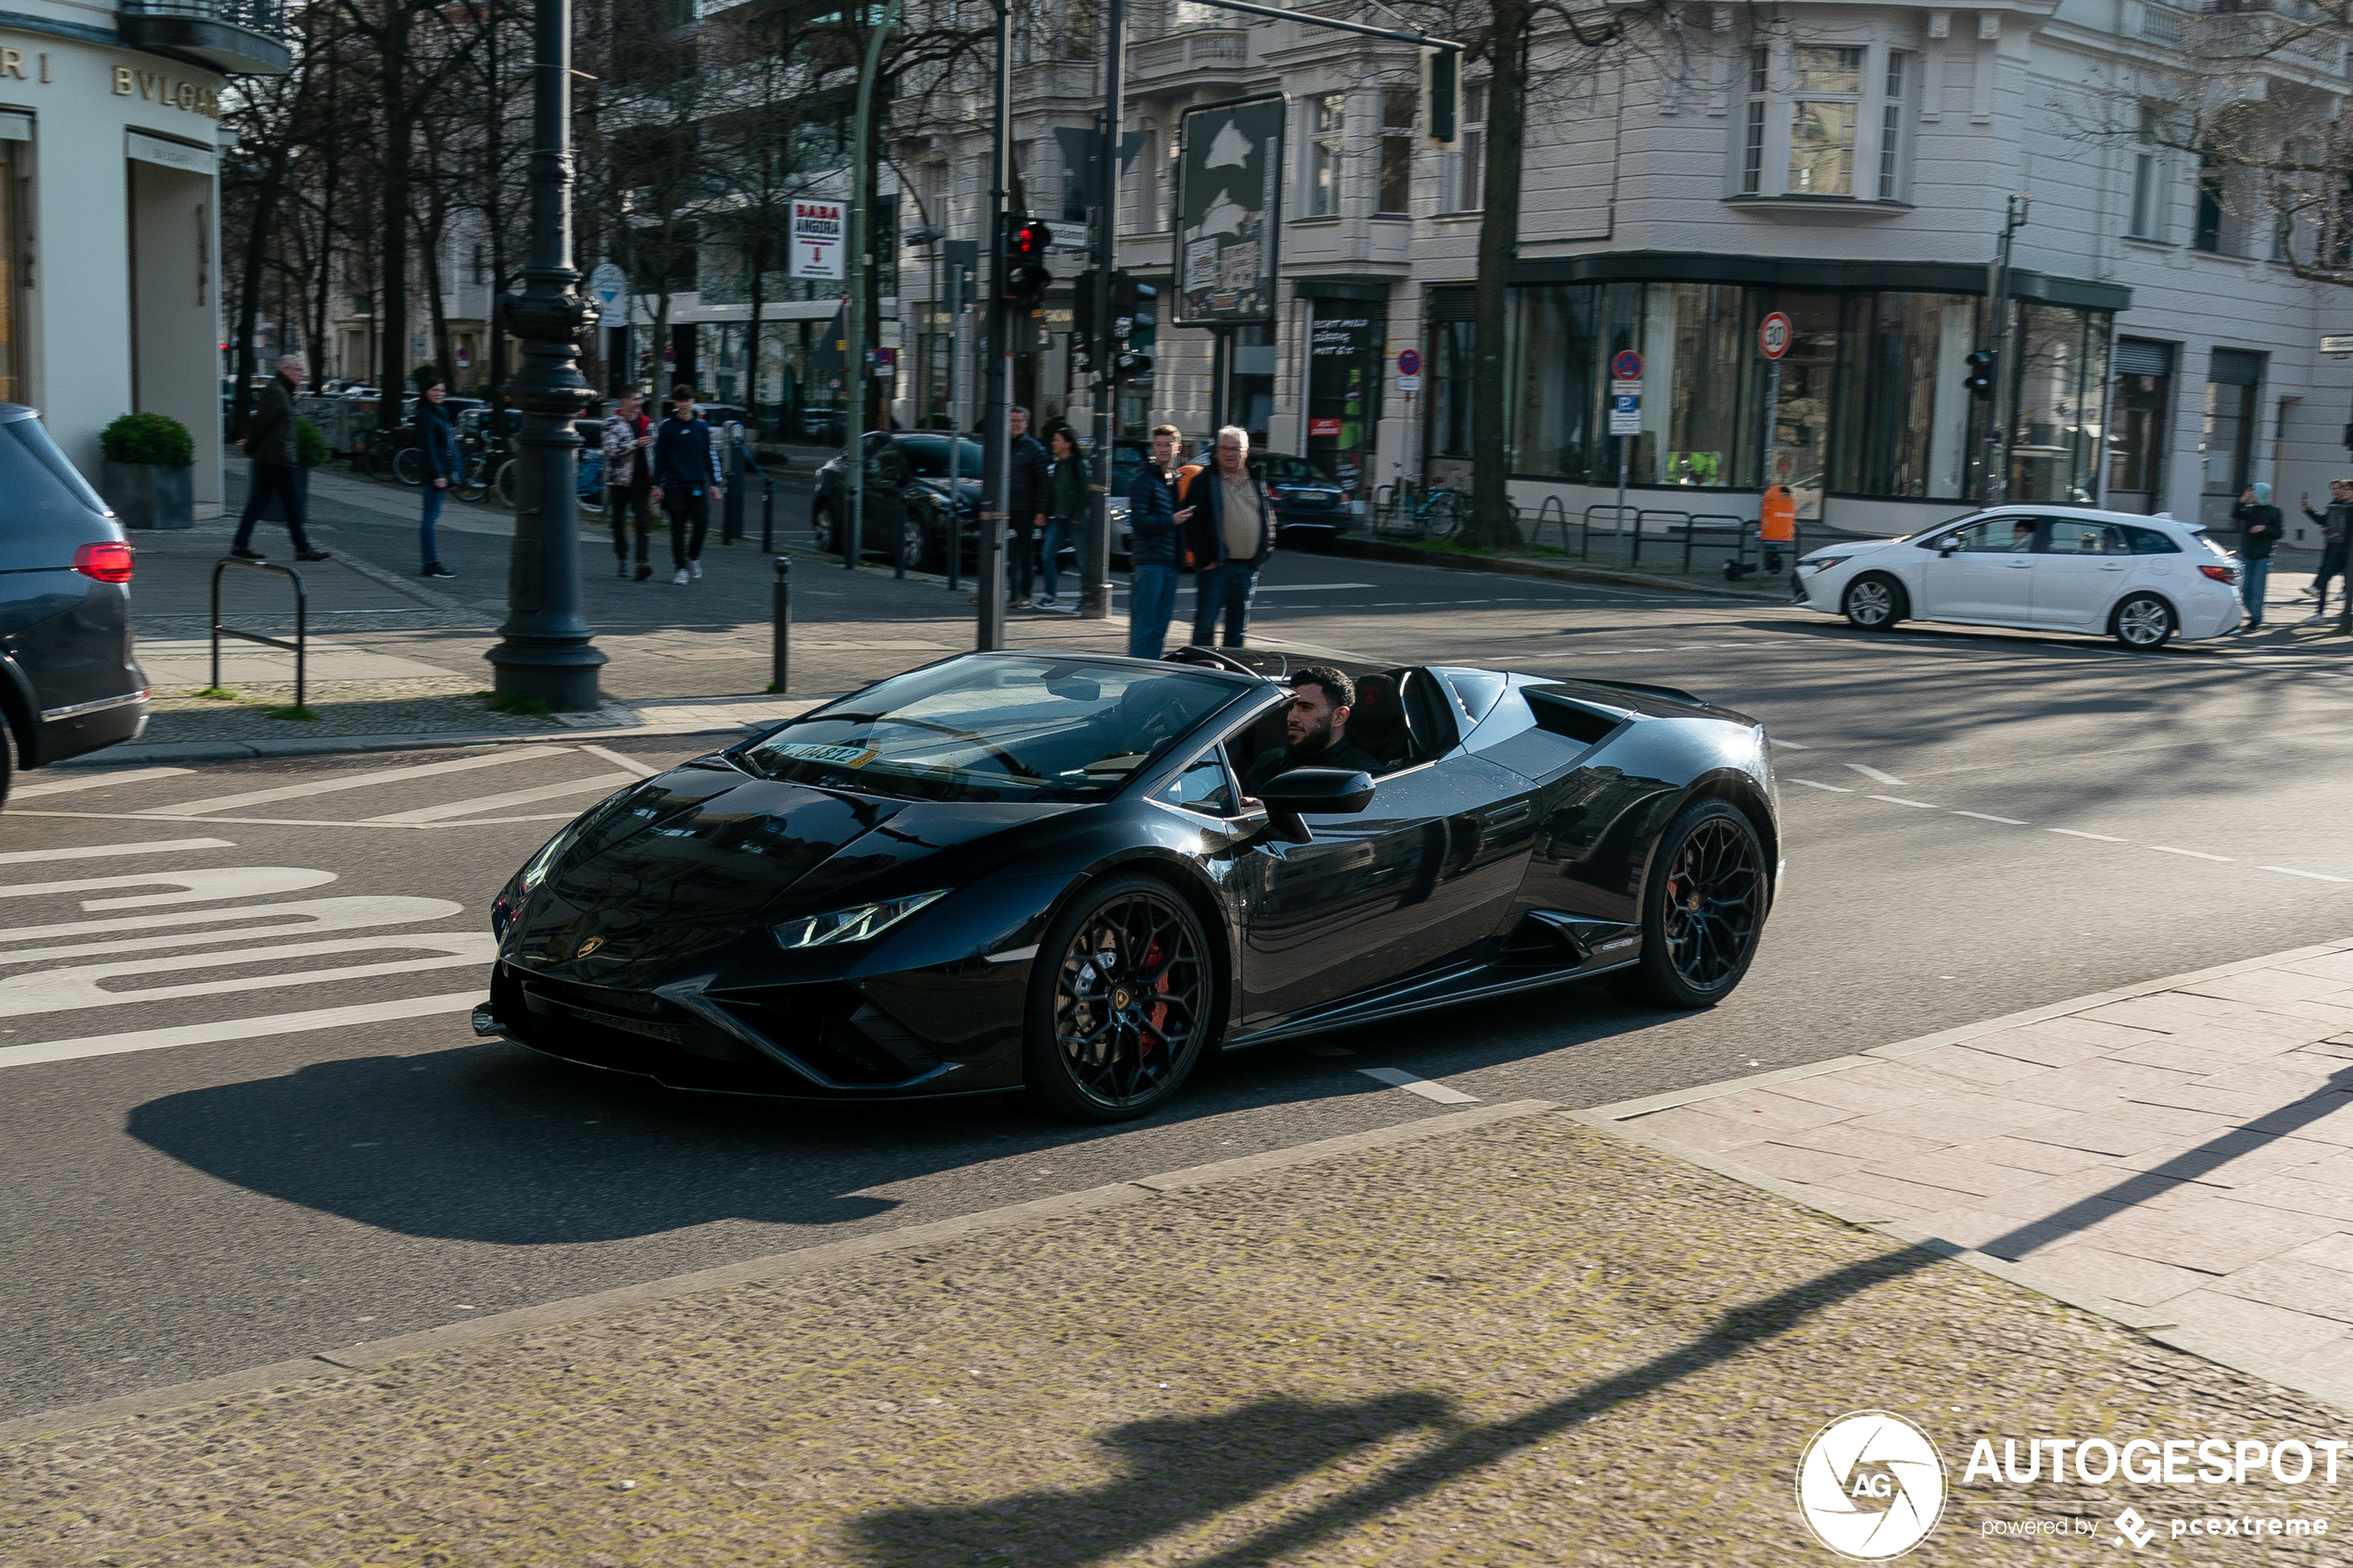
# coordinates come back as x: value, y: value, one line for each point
x: 1823, y: 563
x: 854, y: 924
x: 509, y: 904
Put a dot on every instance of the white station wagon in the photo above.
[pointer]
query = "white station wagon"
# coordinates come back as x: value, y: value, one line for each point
x: 2141, y: 580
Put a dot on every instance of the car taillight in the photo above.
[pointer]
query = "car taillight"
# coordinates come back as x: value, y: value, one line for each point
x: 2219, y: 573
x: 108, y: 562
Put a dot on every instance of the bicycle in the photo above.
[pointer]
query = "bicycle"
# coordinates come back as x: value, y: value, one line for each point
x: 588, y: 485
x: 1425, y: 511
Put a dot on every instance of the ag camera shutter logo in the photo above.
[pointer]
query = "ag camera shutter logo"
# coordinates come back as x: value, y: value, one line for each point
x: 1871, y: 1486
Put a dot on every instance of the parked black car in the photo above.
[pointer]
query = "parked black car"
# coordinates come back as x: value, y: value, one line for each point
x: 923, y: 487
x: 68, y: 681
x: 1042, y: 872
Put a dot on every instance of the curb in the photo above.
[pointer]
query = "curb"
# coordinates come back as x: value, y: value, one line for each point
x: 782, y: 1265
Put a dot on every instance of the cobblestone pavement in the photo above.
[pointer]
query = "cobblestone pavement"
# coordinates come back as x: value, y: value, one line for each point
x: 2187, y: 1150
x: 1527, y: 1343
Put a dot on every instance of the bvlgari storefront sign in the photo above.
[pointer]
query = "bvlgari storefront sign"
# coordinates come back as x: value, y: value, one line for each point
x: 161, y: 87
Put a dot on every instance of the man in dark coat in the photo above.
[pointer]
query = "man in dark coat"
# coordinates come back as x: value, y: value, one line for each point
x: 1031, y: 487
x: 1317, y: 724
x: 277, y: 457
x: 2261, y: 529
x: 1155, y: 545
x: 686, y: 464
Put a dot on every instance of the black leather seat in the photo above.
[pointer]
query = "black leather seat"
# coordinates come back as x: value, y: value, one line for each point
x: 1376, y: 723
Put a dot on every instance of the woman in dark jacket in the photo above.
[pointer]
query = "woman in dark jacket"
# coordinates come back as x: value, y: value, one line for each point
x: 1067, y: 509
x: 437, y: 443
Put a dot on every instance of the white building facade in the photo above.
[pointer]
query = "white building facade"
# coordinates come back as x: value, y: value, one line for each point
x: 109, y: 211
x: 1849, y: 166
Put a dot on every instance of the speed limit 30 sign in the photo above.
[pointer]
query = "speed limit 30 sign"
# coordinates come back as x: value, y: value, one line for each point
x: 1773, y: 335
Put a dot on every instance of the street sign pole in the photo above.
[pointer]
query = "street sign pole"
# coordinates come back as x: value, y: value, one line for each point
x: 1094, y: 565
x: 860, y: 268
x: 996, y: 488
x: 1625, y: 425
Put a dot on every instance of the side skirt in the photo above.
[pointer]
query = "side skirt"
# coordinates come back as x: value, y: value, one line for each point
x: 1458, y: 988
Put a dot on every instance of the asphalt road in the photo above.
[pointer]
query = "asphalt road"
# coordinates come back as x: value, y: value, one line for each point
x: 1976, y: 822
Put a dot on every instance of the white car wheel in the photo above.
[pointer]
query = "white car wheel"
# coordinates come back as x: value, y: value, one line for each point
x: 2144, y: 622
x: 1873, y: 602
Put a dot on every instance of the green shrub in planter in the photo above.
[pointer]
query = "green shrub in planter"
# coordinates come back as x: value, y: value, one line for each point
x: 149, y: 438
x: 149, y: 475
x: 310, y: 447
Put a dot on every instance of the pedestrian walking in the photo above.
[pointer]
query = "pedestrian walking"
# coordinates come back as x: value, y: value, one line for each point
x: 684, y: 455
x: 1031, y: 488
x: 445, y: 466
x: 1066, y: 517
x: 269, y: 441
x: 2336, y: 532
x: 629, y: 479
x: 1232, y: 533
x: 1155, y: 545
x: 2261, y: 528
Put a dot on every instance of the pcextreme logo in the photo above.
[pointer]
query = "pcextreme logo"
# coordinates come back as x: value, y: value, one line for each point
x: 1871, y: 1486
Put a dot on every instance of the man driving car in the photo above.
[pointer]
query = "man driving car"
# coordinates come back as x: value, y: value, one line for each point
x: 1316, y: 723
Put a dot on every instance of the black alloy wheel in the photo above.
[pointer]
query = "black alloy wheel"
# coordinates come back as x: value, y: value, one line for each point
x: 2143, y: 622
x: 1703, y: 907
x: 1873, y: 602
x: 914, y: 549
x: 1120, y: 1002
x: 826, y: 526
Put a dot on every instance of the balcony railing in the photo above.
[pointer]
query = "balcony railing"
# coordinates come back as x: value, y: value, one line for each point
x: 233, y: 37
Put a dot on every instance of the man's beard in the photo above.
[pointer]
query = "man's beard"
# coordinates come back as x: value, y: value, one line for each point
x: 1316, y: 739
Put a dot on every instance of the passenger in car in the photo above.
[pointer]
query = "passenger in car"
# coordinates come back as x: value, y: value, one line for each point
x: 1316, y: 723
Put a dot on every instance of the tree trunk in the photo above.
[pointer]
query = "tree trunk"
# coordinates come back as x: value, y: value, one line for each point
x: 392, y: 294
x: 265, y: 212
x: 1492, y: 525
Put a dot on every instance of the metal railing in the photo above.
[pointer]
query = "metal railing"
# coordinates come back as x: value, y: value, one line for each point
x: 298, y: 647
x: 266, y: 17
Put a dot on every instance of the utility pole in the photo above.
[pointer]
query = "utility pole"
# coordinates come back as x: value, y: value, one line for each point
x: 545, y: 651
x: 995, y: 487
x: 861, y: 270
x: 1997, y: 337
x: 1094, y: 576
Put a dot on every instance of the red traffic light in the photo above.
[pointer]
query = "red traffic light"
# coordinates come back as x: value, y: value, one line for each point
x: 1029, y: 241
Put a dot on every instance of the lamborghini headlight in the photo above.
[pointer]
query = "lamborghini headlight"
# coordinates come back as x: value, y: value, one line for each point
x: 855, y: 925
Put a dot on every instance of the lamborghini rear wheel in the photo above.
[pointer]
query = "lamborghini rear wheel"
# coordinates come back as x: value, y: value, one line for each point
x: 1703, y: 909
x: 1120, y: 998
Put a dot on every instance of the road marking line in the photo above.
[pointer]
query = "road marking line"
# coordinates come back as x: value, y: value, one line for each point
x: 1899, y: 800
x: 197, y: 886
x: 238, y: 1029
x: 512, y: 797
x: 96, y: 851
x: 312, y: 916
x: 495, y: 821
x: 1872, y: 774
x: 64, y: 990
x: 617, y: 761
x: 1413, y: 1084
x: 1789, y: 745
x: 1834, y: 789
x: 98, y: 781
x: 2077, y: 833
x: 239, y: 821
x: 351, y: 780
x: 1988, y: 817
x: 2194, y: 854
x: 2316, y: 876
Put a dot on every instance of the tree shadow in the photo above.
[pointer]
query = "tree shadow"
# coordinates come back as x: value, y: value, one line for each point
x: 1245, y: 1452
x: 1176, y: 1472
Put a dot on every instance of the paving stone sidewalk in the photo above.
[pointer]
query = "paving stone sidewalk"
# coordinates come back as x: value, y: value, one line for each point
x: 2187, y: 1150
x: 1522, y: 1342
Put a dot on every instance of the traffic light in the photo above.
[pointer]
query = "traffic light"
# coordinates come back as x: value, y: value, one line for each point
x: 1980, y: 379
x: 1133, y: 308
x: 1025, y: 275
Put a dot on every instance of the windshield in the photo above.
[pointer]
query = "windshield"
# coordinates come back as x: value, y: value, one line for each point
x: 927, y: 457
x: 986, y: 728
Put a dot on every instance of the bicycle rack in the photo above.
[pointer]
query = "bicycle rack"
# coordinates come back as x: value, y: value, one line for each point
x: 1553, y: 506
x: 1585, y: 528
x: 1719, y: 524
x: 298, y: 647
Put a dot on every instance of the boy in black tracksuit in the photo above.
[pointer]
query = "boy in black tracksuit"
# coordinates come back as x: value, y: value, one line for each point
x: 686, y: 477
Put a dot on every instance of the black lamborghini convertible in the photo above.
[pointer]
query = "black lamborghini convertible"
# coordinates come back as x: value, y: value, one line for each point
x: 1021, y: 870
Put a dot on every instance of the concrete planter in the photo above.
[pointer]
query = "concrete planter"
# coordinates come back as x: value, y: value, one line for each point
x: 274, y: 508
x: 148, y: 496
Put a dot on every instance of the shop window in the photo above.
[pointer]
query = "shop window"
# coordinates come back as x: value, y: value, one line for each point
x: 1399, y: 109
x: 1450, y: 371
x: 1325, y: 148
x: 1552, y: 357
x: 2233, y: 377
x: 2062, y: 377
x: 1701, y: 387
x: 2139, y: 411
x: 1904, y: 417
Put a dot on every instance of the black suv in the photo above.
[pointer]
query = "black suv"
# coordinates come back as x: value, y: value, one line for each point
x: 67, y: 680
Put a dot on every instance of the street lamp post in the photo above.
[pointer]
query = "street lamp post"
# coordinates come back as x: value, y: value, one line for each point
x: 545, y: 651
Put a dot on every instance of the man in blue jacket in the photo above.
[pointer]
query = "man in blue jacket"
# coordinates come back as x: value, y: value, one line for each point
x: 1232, y: 533
x: 1155, y: 532
x: 686, y: 478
